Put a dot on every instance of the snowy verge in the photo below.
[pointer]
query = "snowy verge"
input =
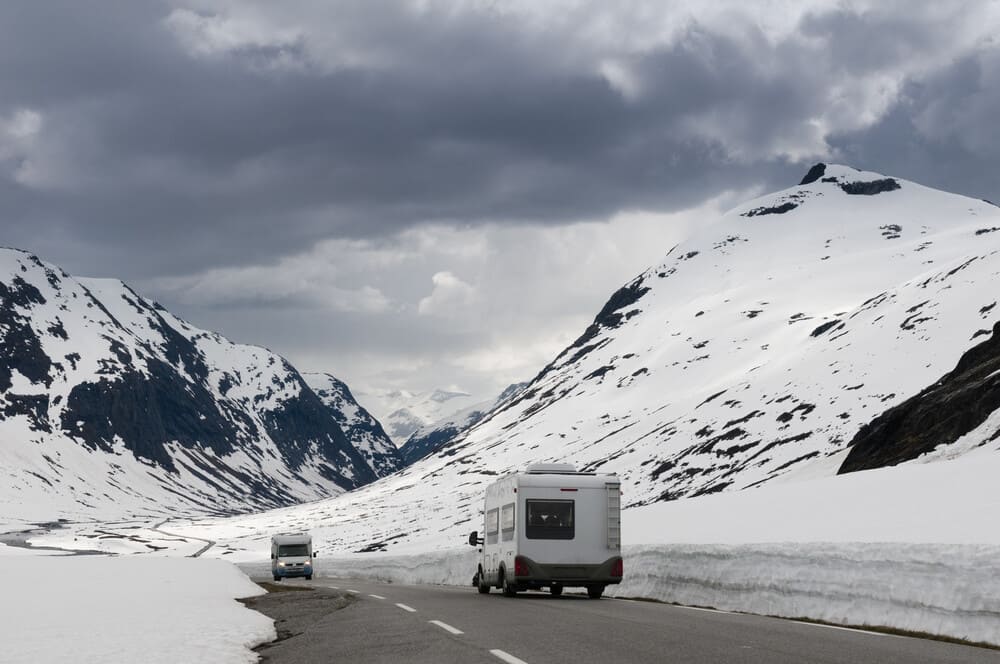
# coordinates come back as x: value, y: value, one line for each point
x: 950, y: 590
x: 128, y: 609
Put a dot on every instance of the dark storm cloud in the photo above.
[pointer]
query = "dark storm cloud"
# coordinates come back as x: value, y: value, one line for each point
x: 942, y: 131
x: 162, y: 161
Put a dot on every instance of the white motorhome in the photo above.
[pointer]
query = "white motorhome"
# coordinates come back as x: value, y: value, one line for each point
x: 550, y: 527
x: 292, y: 555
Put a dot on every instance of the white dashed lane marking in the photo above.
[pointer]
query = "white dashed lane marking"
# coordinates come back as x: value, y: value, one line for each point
x: 446, y: 627
x: 407, y: 608
x: 377, y: 596
x: 507, y: 657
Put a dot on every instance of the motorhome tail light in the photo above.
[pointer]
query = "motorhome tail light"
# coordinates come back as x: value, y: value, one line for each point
x: 567, y: 489
x: 520, y: 566
x: 618, y: 568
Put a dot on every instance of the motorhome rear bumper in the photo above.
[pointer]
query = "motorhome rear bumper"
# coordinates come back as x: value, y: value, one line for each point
x: 545, y: 574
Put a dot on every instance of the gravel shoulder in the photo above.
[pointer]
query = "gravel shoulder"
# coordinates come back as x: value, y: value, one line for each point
x: 300, y: 615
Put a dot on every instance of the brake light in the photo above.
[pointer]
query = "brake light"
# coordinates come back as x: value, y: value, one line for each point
x: 520, y: 566
x: 618, y: 568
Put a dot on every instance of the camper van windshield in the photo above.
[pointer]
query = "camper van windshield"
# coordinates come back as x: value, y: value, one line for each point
x: 549, y: 519
x: 286, y: 550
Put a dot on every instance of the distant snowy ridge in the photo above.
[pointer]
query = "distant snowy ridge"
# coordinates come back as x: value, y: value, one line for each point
x: 430, y: 438
x: 110, y: 404
x: 402, y: 412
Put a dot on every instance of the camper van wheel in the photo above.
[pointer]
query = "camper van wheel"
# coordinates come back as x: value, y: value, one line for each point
x: 481, y: 586
x: 595, y: 592
x: 555, y: 589
x: 277, y: 578
x: 509, y: 590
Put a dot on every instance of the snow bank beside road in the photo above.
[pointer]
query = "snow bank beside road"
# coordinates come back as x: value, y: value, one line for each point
x: 128, y: 609
x: 943, y: 589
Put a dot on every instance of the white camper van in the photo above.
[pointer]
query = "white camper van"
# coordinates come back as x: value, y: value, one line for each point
x: 551, y: 527
x: 292, y: 555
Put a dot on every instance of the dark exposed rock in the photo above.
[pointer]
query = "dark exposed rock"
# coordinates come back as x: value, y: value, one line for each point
x: 815, y: 173
x: 610, y: 317
x: 303, y: 430
x: 870, y: 188
x: 940, y: 414
x: 146, y: 412
x: 419, y: 446
x: 599, y: 372
x: 824, y: 327
x: 891, y: 231
x: 20, y: 349
x: 787, y: 206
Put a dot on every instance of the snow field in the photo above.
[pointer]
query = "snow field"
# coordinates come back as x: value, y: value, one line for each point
x: 91, y: 609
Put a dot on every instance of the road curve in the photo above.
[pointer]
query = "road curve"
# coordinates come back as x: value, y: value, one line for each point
x: 431, y: 624
x: 208, y: 543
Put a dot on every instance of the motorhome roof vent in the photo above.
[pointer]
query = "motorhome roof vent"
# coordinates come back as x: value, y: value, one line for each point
x: 550, y: 468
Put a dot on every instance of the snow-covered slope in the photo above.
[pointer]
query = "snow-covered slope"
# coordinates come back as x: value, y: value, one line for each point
x: 363, y: 430
x: 754, y: 353
x: 110, y: 404
x: 429, y: 438
x: 767, y: 339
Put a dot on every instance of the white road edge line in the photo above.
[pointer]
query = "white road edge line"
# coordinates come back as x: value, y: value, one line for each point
x: 848, y: 629
x: 446, y: 627
x: 507, y: 657
x: 699, y: 608
x: 407, y: 608
x: 352, y: 591
x: 377, y: 596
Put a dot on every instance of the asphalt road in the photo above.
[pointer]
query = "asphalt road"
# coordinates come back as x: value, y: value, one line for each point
x: 360, y: 621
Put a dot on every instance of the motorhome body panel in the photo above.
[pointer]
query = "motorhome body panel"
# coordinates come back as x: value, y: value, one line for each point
x: 563, y: 527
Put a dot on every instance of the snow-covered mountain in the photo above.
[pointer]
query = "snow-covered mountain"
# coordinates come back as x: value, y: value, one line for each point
x: 363, y: 430
x: 429, y: 438
x: 108, y: 403
x: 402, y: 412
x: 753, y: 354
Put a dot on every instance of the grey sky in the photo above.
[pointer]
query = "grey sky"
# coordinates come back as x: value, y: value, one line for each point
x: 420, y: 194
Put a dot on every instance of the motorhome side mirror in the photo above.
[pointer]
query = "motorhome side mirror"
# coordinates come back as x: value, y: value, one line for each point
x: 272, y: 556
x: 314, y: 554
x: 474, y: 538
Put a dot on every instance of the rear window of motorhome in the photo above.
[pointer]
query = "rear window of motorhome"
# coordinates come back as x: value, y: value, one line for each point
x: 293, y: 550
x: 549, y: 519
x: 507, y: 521
x: 492, y: 526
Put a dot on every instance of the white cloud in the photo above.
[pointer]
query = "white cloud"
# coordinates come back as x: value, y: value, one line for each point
x: 214, y: 34
x: 19, y: 133
x: 451, y: 297
x: 307, y: 281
